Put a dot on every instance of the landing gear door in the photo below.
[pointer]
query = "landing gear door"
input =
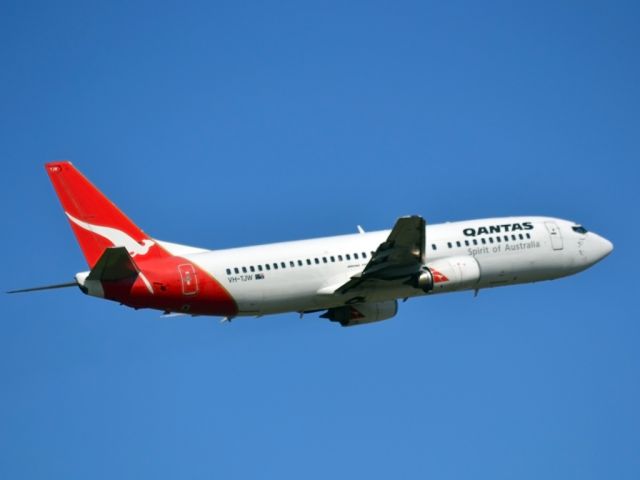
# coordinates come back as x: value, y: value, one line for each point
x: 188, y: 278
x: 554, y: 234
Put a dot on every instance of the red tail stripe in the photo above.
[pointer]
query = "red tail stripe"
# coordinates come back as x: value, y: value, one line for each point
x: 85, y: 203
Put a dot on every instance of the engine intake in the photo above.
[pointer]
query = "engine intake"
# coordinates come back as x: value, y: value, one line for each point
x: 424, y: 280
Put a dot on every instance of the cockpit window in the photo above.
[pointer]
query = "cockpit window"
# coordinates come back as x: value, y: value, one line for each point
x: 579, y: 229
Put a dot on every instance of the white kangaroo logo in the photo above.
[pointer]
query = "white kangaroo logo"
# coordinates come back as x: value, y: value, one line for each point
x: 115, y: 236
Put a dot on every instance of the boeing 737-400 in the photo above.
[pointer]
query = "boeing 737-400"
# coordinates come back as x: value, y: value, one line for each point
x: 353, y: 279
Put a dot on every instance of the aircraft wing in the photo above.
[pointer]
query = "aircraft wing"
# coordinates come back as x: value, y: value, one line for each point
x: 398, y: 258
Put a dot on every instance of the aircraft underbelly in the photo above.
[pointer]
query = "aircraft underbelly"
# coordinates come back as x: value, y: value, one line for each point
x: 274, y: 297
x: 494, y: 270
x: 520, y: 267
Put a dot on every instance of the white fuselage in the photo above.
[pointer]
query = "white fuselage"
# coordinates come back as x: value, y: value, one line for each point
x: 302, y: 275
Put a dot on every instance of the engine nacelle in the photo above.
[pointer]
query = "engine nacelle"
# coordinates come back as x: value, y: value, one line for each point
x: 360, y: 313
x: 424, y: 280
x: 454, y: 273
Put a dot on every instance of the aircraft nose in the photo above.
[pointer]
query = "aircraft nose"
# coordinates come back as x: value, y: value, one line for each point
x: 602, y: 247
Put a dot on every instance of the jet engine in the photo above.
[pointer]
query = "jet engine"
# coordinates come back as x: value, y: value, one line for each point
x: 359, y: 313
x: 424, y: 280
x: 454, y: 273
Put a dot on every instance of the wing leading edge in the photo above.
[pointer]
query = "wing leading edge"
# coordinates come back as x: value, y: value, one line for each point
x: 398, y: 259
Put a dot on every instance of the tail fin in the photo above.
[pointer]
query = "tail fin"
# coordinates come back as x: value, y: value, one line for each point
x: 96, y: 222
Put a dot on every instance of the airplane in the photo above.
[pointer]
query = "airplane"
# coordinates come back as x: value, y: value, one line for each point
x: 353, y: 279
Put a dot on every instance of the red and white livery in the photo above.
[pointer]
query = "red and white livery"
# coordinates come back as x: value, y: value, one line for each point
x: 353, y: 279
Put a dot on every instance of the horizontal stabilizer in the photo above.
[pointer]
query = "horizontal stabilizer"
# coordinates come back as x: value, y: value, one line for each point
x: 114, y: 264
x: 45, y: 287
x: 173, y: 314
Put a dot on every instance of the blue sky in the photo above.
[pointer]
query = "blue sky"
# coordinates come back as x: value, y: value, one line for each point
x: 232, y: 123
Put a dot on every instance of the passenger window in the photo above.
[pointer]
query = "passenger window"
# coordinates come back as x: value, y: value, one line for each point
x: 252, y: 269
x: 498, y: 239
x: 299, y: 263
x: 490, y: 239
x: 521, y: 236
x: 506, y: 238
x: 292, y: 263
x: 466, y: 243
x: 475, y: 241
x: 236, y: 270
x: 364, y: 254
x: 259, y: 268
x: 267, y: 266
x: 283, y: 265
x: 355, y: 255
x: 484, y: 242
x: 317, y: 260
x: 348, y: 256
x: 513, y: 237
x: 228, y: 271
x: 458, y: 244
x: 433, y: 246
x: 308, y: 261
x: 339, y: 258
x: 528, y: 235
x: 332, y: 258
x: 449, y: 245
x: 275, y: 266
x: 244, y: 269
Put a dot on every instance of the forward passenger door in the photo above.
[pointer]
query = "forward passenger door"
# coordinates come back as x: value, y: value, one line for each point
x: 554, y: 235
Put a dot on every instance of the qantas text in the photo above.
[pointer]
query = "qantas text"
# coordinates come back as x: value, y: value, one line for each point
x: 505, y: 227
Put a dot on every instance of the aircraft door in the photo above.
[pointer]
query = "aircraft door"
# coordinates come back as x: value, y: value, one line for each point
x: 554, y: 234
x: 188, y: 278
